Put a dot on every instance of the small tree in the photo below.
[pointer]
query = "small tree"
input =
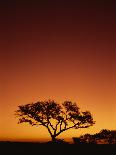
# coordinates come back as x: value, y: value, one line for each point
x: 56, y: 118
x: 87, y: 139
x: 108, y: 135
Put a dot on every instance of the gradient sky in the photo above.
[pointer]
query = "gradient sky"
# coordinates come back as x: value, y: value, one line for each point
x: 57, y: 51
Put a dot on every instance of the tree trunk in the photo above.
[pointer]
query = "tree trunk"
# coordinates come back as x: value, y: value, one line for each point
x: 53, y: 139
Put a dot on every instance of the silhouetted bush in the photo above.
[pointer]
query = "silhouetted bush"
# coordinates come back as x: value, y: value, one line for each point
x: 103, y: 137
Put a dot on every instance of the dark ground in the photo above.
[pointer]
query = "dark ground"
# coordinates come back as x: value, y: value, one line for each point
x: 27, y: 148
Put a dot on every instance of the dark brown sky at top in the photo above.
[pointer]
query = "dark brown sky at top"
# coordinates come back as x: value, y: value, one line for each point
x: 63, y: 23
x: 46, y: 34
x: 58, y: 48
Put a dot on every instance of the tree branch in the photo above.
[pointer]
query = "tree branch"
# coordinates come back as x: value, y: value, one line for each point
x: 49, y: 130
x: 75, y: 125
x: 49, y: 123
x: 56, y: 128
x: 61, y: 125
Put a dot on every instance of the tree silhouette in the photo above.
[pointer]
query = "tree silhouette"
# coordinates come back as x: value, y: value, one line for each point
x: 108, y: 135
x: 56, y: 118
x: 105, y: 136
x: 87, y: 139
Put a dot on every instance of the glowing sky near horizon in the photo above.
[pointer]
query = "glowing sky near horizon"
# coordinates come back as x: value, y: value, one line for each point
x: 60, y: 52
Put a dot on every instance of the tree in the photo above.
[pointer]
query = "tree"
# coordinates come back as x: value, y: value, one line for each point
x: 56, y: 118
x: 108, y: 135
x: 87, y: 139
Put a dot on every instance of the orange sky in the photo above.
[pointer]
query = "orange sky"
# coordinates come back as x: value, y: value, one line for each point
x: 60, y: 52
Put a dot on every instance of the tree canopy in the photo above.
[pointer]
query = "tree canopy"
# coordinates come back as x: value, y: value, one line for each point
x: 56, y: 117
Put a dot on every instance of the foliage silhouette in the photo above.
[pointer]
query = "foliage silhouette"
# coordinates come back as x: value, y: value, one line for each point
x: 87, y: 139
x: 103, y: 137
x: 108, y: 135
x: 56, y: 118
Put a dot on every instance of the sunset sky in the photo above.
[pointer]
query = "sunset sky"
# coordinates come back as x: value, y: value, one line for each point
x: 60, y: 51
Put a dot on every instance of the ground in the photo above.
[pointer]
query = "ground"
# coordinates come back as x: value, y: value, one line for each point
x: 15, y: 148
